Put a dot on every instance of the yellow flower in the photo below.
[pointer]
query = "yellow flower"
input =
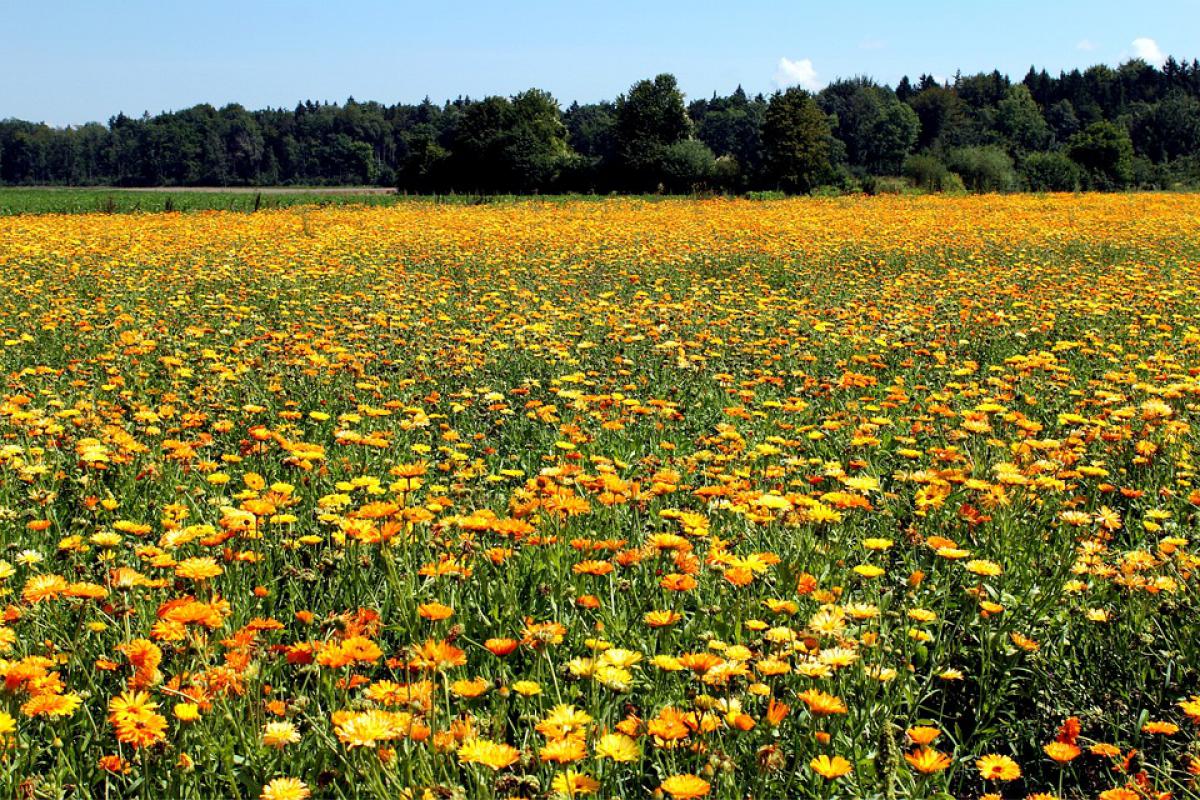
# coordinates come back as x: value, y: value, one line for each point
x: 988, y: 569
x: 490, y: 754
x: 285, y: 789
x: 998, y: 768
x: 830, y: 768
x: 574, y: 784
x: 186, y: 712
x: 618, y: 747
x: 527, y: 688
x: 280, y: 734
x: 685, y: 787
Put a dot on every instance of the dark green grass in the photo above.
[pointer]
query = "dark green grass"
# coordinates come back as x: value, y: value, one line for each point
x: 53, y: 200
x: 119, y: 201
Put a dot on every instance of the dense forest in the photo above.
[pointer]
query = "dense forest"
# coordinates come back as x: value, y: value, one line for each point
x: 1101, y: 128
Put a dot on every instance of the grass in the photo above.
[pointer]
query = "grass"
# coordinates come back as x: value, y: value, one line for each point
x: 54, y: 200
x: 14, y: 200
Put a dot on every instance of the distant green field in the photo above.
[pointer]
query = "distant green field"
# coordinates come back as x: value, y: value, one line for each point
x: 54, y: 200
x: 14, y: 200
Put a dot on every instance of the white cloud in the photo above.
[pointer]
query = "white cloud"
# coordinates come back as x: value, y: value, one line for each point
x: 796, y: 73
x: 1086, y: 45
x: 872, y: 43
x: 1147, y: 50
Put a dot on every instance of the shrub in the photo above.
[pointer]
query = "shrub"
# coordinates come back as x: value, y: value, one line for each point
x: 687, y: 166
x: 1105, y: 153
x: 889, y: 184
x: 926, y: 172
x: 1051, y: 172
x: 726, y: 173
x: 983, y: 169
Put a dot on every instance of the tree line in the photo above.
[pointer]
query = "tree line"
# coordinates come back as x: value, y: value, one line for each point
x: 1103, y: 128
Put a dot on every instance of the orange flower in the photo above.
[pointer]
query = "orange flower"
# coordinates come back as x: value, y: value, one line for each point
x: 51, y: 705
x: 1121, y: 793
x: 677, y: 583
x: 926, y: 760
x: 198, y: 569
x: 114, y: 763
x: 44, y: 587
x: 437, y: 656
x: 923, y: 734
x: 1062, y: 752
x: 540, y: 634
x: 821, y: 704
x: 501, y: 647
x: 132, y: 715
x: 776, y: 711
x: 661, y: 619
x: 435, y: 612
x: 597, y: 568
x: 830, y: 768
x: 685, y: 787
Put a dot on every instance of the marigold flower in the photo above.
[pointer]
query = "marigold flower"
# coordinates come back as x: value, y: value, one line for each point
x: 1062, y: 752
x: 927, y: 760
x: 685, y: 787
x: 830, y: 768
x: 285, y: 789
x: 280, y: 734
x: 995, y: 767
x: 490, y: 754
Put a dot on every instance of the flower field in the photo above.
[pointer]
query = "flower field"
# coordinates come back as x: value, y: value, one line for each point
x: 871, y: 497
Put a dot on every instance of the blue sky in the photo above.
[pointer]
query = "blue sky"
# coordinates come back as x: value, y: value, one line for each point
x: 69, y: 62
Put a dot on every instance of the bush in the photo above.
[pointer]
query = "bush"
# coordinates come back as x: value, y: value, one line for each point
x: 1148, y: 175
x: 1051, y: 172
x: 1183, y: 172
x: 687, y: 166
x: 1105, y: 153
x: 726, y: 173
x: 983, y: 169
x: 953, y: 184
x: 926, y: 172
x: 769, y: 194
x: 888, y: 184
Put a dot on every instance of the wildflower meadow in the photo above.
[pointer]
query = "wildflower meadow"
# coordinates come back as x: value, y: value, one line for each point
x: 871, y: 497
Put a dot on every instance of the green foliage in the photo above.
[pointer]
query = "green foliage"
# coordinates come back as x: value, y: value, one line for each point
x: 1169, y: 129
x: 878, y: 130
x: 687, y: 166
x: 508, y: 144
x: 943, y: 118
x: 1020, y: 121
x: 926, y: 172
x: 726, y: 173
x: 89, y: 201
x: 1051, y: 172
x: 796, y: 134
x: 526, y: 144
x: 888, y: 184
x: 733, y: 127
x: 1105, y: 153
x: 983, y: 169
x: 650, y: 118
